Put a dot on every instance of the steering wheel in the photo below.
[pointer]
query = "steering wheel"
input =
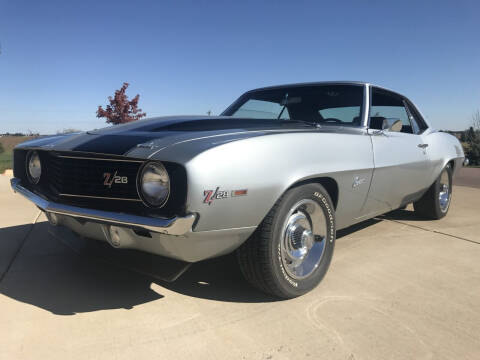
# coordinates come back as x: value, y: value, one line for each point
x: 332, y: 120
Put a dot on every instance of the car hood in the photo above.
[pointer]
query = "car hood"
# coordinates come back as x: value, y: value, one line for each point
x: 141, y: 138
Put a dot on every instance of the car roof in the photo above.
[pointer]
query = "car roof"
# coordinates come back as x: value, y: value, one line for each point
x: 315, y: 83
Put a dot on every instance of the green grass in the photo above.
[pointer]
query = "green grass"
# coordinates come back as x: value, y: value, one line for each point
x: 5, y: 161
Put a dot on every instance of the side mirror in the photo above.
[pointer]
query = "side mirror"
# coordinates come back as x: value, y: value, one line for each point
x: 392, y: 124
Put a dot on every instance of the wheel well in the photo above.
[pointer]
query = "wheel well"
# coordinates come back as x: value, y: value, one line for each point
x: 452, y: 165
x: 328, y: 183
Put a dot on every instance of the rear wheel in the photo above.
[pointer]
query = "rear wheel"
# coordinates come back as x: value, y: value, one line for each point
x: 435, y: 203
x: 290, y: 252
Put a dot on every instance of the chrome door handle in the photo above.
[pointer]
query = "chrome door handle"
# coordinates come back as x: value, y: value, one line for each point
x: 422, y: 146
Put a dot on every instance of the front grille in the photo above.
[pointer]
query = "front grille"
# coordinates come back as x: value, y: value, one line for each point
x: 91, y: 177
x: 77, y: 178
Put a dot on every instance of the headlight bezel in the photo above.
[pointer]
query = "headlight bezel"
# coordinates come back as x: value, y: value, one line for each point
x: 28, y: 158
x: 140, y: 177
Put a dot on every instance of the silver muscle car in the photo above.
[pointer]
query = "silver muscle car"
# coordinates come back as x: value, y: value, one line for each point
x: 274, y: 177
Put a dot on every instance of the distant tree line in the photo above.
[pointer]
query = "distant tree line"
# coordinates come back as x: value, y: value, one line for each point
x: 20, y: 134
x: 471, y: 140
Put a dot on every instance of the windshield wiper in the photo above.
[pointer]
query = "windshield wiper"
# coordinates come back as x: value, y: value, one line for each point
x: 285, y: 102
x: 284, y: 106
x: 312, y: 123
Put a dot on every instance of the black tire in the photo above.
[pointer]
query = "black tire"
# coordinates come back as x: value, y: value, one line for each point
x: 260, y: 257
x: 429, y: 206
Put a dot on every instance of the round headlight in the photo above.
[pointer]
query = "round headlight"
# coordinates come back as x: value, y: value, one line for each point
x: 34, y: 167
x: 154, y: 184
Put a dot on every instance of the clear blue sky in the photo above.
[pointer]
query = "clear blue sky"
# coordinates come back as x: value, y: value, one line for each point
x: 61, y: 59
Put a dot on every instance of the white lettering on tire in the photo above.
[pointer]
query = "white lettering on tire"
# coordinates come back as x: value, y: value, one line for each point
x: 288, y: 278
x: 330, y: 215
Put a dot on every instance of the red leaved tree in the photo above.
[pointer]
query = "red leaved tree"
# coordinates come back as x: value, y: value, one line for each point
x: 121, y: 110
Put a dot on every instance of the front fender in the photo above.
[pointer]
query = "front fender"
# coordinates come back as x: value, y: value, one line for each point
x: 266, y: 167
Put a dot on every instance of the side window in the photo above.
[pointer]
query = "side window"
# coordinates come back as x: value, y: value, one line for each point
x: 388, y: 105
x: 417, y: 121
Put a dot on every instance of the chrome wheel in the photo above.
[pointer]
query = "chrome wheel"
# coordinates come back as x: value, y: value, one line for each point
x: 303, y: 242
x: 444, y: 194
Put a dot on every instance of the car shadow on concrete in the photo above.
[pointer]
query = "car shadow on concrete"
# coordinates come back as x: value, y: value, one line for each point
x: 221, y: 279
x: 47, y: 274
x: 402, y: 215
x: 53, y: 275
x: 356, y: 227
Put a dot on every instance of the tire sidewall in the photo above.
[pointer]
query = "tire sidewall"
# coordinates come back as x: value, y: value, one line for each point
x: 437, y: 192
x: 289, y: 285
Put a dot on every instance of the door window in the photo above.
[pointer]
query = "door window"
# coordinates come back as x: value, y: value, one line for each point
x: 388, y: 105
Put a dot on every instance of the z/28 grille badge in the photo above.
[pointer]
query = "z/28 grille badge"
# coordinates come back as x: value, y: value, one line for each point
x: 210, y: 195
x: 110, y: 178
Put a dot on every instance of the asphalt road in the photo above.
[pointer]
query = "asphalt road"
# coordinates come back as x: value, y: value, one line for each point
x: 468, y: 177
x: 398, y: 288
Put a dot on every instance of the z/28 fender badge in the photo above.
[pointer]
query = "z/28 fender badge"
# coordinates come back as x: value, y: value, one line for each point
x: 210, y: 195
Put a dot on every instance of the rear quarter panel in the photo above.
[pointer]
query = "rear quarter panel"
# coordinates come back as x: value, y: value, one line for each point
x: 443, y: 148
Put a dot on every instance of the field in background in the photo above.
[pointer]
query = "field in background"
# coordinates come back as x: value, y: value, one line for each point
x: 5, y: 161
x: 9, y: 142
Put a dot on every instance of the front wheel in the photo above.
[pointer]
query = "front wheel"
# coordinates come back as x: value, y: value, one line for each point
x: 435, y: 203
x: 290, y: 252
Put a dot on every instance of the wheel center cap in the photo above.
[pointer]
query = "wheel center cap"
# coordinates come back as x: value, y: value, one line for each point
x: 301, y: 241
x: 307, y: 239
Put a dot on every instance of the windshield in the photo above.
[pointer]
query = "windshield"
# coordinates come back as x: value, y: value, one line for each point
x: 323, y: 104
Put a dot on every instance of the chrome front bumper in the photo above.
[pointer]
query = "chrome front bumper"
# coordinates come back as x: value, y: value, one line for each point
x: 173, y: 226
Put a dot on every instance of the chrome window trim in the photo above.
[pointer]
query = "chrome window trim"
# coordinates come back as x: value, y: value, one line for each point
x: 366, y: 105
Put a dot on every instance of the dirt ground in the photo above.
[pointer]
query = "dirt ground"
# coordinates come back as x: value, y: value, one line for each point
x: 9, y: 142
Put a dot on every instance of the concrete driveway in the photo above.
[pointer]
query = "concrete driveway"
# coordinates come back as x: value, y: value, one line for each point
x: 398, y: 288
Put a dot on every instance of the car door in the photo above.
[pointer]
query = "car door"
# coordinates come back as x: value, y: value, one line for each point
x: 401, y: 165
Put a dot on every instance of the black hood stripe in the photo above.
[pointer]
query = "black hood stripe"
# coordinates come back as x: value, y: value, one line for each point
x: 112, y: 144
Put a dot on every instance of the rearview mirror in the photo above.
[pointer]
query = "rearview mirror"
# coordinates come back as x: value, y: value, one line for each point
x: 392, y: 124
x: 291, y: 100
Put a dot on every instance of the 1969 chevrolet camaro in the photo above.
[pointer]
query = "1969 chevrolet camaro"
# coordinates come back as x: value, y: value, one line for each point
x: 274, y: 177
